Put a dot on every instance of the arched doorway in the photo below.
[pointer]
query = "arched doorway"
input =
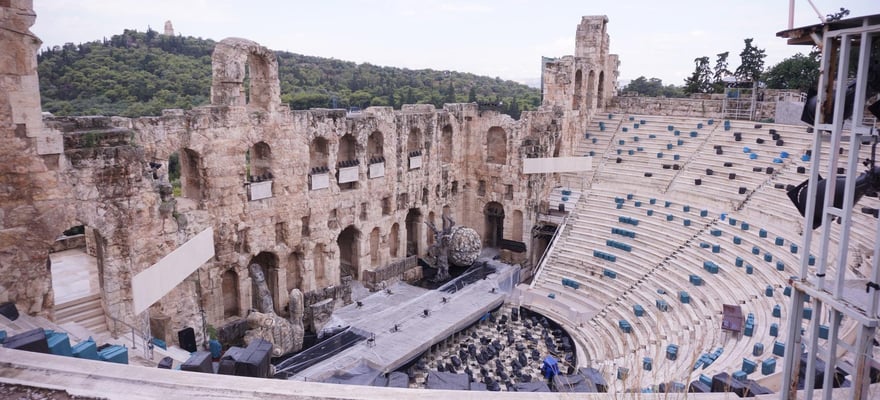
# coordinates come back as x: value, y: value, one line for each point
x: 229, y: 291
x: 76, y: 265
x: 413, y: 231
x: 268, y: 263
x: 600, y: 95
x: 591, y: 89
x: 349, y: 254
x: 494, y: 224
x: 78, y: 252
x: 578, y: 87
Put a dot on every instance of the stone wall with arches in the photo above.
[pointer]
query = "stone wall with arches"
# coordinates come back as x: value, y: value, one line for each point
x: 314, y: 197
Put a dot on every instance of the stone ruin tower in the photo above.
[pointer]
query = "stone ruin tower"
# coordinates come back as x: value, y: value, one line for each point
x: 585, y: 81
x: 169, y: 29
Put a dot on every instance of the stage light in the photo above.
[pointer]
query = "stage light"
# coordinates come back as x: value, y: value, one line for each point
x: 868, y: 182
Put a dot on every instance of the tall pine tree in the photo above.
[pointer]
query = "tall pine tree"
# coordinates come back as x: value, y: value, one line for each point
x: 700, y: 80
x: 752, y: 62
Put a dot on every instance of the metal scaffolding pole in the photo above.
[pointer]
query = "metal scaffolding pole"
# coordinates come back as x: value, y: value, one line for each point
x: 838, y: 42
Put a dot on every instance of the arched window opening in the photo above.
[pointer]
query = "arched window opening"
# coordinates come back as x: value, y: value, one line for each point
x: 591, y: 89
x: 258, y: 161
x: 577, y: 98
x: 600, y: 95
x: 257, y: 81
x: 414, y: 148
x: 258, y: 169
x: 174, y: 174
x: 191, y: 178
x: 319, y: 156
x: 347, y: 163
x: 376, y: 154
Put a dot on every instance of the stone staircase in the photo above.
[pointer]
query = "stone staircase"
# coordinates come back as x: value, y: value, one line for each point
x: 86, y: 312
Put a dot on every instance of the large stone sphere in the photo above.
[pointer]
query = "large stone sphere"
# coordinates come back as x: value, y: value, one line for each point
x: 464, y: 246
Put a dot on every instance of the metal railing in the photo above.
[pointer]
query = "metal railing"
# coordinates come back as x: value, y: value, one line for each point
x: 550, y: 248
x: 135, y: 332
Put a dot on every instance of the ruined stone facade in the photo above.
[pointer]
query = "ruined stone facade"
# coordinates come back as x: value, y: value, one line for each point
x: 316, y: 198
x: 587, y: 80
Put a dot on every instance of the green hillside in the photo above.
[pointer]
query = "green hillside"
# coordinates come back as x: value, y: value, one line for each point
x: 140, y: 73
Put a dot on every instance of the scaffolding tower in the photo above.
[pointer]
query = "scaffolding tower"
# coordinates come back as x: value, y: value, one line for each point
x: 840, y: 41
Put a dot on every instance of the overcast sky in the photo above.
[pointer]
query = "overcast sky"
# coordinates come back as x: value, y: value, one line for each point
x: 504, y: 38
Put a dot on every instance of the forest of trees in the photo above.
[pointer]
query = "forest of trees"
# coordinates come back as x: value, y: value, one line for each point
x: 141, y: 73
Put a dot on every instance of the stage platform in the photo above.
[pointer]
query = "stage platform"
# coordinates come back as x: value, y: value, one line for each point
x: 404, y: 306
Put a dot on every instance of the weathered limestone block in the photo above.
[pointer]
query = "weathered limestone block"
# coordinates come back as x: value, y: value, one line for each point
x: 284, y: 336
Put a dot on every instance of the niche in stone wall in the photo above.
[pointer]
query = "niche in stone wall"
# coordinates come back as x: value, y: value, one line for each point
x: 516, y: 232
x: 229, y: 291
x: 496, y: 146
x: 577, y: 98
x: 446, y: 149
x: 319, y: 260
x: 268, y: 263
x: 375, y: 237
x: 394, y: 240
x: 295, y: 267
